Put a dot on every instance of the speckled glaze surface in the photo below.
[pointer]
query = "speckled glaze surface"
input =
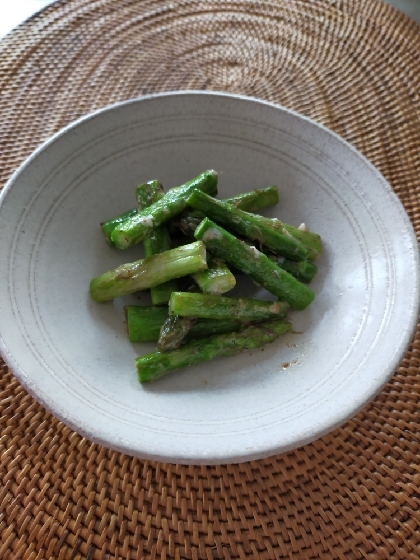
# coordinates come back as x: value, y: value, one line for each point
x: 72, y: 354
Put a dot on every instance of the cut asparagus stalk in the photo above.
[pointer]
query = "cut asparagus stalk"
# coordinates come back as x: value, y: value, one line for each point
x: 188, y: 221
x: 149, y: 272
x: 252, y: 201
x: 144, y: 324
x: 207, y: 306
x: 303, y: 271
x: 255, y: 200
x: 109, y: 226
x: 173, y: 332
x: 311, y: 240
x: 159, y: 240
x: 217, y: 279
x: 206, y: 327
x: 152, y: 366
x: 264, y: 272
x: 248, y: 225
x: 139, y: 226
x: 148, y: 193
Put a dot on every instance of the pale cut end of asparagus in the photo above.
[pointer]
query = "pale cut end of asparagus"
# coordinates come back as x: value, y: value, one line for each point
x: 216, y: 280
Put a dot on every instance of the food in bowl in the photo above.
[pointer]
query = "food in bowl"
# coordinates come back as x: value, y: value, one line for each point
x: 204, y: 251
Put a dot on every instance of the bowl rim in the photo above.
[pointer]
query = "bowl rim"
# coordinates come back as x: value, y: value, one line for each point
x: 323, y: 427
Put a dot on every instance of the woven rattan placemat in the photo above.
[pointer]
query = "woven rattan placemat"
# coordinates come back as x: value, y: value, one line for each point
x: 355, y: 67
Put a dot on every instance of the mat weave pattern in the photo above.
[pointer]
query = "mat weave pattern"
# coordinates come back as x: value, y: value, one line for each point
x: 355, y: 494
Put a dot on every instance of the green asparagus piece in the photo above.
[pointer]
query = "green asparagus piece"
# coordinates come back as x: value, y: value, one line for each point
x: 152, y: 366
x: 148, y: 193
x: 251, y: 201
x: 248, y: 225
x: 188, y: 221
x: 136, y: 228
x: 207, y: 306
x: 173, y: 332
x: 303, y: 271
x: 264, y: 272
x: 206, y: 327
x: 159, y: 239
x: 109, y: 226
x: 217, y: 279
x: 255, y: 200
x: 311, y: 240
x: 149, y: 272
x: 144, y: 322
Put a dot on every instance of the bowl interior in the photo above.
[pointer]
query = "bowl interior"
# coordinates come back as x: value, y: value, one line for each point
x: 73, y: 355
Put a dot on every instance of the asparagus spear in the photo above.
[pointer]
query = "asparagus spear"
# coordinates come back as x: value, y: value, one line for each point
x: 144, y: 324
x: 248, y: 225
x: 311, y: 240
x: 173, y: 332
x: 152, y: 366
x: 159, y: 239
x: 206, y: 327
x: 148, y: 193
x: 303, y: 271
x: 255, y: 200
x: 136, y: 228
x: 224, y: 245
x: 109, y: 226
x: 251, y: 201
x: 207, y: 306
x: 217, y: 279
x: 149, y: 272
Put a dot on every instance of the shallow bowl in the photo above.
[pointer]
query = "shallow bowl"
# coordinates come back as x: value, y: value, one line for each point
x: 73, y: 355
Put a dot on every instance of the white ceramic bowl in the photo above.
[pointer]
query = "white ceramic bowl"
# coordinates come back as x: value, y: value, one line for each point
x: 72, y: 354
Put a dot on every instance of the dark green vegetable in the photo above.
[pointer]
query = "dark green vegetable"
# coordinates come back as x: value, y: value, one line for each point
x: 217, y: 279
x: 149, y: 272
x: 188, y: 304
x: 251, y: 201
x: 255, y: 200
x: 303, y: 271
x: 109, y: 226
x: 148, y: 193
x: 144, y: 324
x: 159, y: 239
x: 152, y: 366
x: 251, y: 261
x: 139, y: 226
x: 312, y: 241
x: 248, y: 225
x: 173, y: 332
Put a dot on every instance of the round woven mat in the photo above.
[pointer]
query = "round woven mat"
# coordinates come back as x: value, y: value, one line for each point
x: 355, y: 67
